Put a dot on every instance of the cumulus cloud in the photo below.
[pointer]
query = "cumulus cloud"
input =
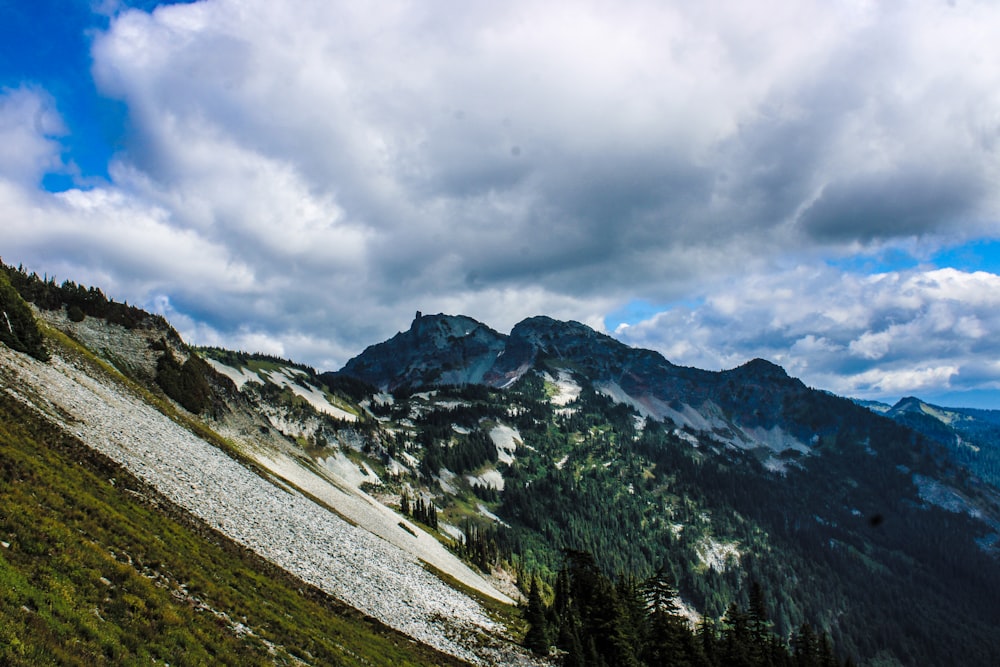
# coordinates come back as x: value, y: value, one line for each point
x: 30, y: 128
x: 875, y: 336
x: 305, y: 176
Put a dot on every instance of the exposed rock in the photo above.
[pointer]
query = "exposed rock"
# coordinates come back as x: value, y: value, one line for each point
x: 277, y: 522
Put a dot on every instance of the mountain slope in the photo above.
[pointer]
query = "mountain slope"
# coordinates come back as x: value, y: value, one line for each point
x: 286, y: 511
x: 516, y: 449
x: 747, y: 406
x: 729, y: 477
x: 972, y: 436
x: 97, y: 567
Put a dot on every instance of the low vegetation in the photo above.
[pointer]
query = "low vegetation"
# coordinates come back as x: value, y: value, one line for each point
x: 96, y: 568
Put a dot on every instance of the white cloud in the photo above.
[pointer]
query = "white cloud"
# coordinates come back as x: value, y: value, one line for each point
x: 305, y: 176
x: 29, y: 131
x: 874, y: 336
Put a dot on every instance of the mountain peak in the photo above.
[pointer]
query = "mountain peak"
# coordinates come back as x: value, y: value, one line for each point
x: 436, y: 349
x: 447, y: 326
x: 908, y: 404
x: 761, y: 368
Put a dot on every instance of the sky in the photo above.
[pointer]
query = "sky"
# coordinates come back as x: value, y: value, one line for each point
x: 813, y: 182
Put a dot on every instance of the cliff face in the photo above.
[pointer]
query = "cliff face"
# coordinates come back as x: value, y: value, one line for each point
x: 436, y: 349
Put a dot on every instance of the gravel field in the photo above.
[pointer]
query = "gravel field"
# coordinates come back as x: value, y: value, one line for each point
x: 285, y: 527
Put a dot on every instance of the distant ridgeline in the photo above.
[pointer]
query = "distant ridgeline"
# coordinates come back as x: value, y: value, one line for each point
x: 79, y: 301
x: 241, y: 359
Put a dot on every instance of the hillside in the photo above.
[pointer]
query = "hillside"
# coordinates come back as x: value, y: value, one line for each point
x: 971, y: 436
x: 286, y: 511
x: 850, y: 521
x: 452, y: 469
x: 99, y: 567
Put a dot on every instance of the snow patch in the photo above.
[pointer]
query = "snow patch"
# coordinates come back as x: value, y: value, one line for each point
x: 686, y: 437
x: 239, y: 376
x: 446, y: 479
x: 775, y: 465
x: 506, y: 440
x: 286, y: 378
x: 383, y: 398
x: 488, y: 514
x: 454, y: 532
x: 491, y: 478
x: 566, y: 390
x: 395, y: 468
x: 426, y: 395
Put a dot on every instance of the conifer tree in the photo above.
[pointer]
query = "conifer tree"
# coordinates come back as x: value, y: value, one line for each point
x: 707, y: 641
x: 537, y: 638
x: 804, y: 646
x: 666, y: 627
x: 736, y: 638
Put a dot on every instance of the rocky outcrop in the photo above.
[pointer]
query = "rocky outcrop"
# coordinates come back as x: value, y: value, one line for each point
x: 436, y: 349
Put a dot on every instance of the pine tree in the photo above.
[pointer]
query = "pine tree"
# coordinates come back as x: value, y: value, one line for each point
x: 665, y: 645
x: 736, y: 638
x: 708, y: 640
x: 537, y: 638
x: 759, y: 626
x: 628, y: 624
x: 804, y: 646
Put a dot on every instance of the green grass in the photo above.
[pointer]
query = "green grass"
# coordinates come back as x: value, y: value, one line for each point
x: 99, y: 569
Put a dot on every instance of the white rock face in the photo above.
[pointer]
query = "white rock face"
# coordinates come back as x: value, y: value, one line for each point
x: 281, y: 525
x: 717, y: 555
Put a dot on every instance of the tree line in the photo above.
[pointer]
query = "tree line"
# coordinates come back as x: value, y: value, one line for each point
x: 79, y: 301
x: 594, y: 621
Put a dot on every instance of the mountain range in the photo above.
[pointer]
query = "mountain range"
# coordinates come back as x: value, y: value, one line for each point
x: 878, y: 525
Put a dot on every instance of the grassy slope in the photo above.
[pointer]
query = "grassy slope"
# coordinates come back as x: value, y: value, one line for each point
x: 108, y: 573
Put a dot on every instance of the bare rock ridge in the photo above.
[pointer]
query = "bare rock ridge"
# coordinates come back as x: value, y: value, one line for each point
x: 446, y: 349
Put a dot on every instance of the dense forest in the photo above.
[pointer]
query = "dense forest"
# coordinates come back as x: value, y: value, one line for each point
x: 596, y: 621
x: 828, y: 541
